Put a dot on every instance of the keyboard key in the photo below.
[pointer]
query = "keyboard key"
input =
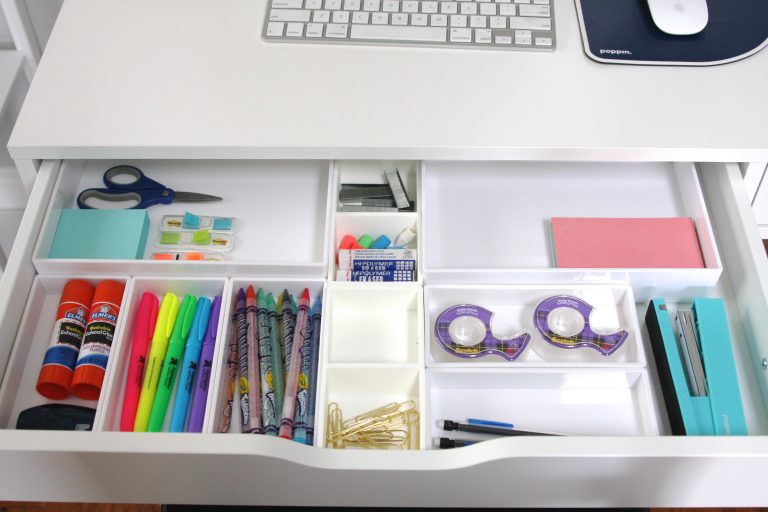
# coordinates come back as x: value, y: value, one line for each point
x: 288, y: 15
x: 438, y: 20
x: 399, y: 19
x: 419, y: 20
x: 313, y: 4
x: 340, y: 17
x: 351, y: 5
x: 498, y: 22
x: 333, y: 5
x: 449, y: 7
x: 275, y: 29
x: 360, y: 17
x: 503, y: 39
x: 477, y: 21
x: 410, y: 6
x: 391, y: 33
x: 391, y: 6
x: 315, y: 29
x: 380, y: 18
x: 321, y: 17
x: 429, y: 7
x: 294, y: 30
x: 530, y: 23
x: 371, y: 5
x: 461, y: 35
x: 508, y: 10
x: 488, y: 9
x: 522, y: 1
x: 534, y: 10
x: 458, y: 20
x: 483, y: 36
x: 541, y: 2
x: 286, y: 4
x: 543, y: 41
x: 468, y: 8
x: 522, y: 37
x: 338, y: 31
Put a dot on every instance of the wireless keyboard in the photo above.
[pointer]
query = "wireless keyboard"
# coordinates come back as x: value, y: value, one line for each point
x: 507, y: 24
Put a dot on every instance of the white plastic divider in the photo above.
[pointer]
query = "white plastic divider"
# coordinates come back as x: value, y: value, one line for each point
x: 282, y: 211
x: 374, y: 224
x: 572, y: 401
x: 18, y: 392
x: 513, y: 308
x: 489, y: 222
x: 109, y: 416
x: 372, y: 351
x: 220, y: 381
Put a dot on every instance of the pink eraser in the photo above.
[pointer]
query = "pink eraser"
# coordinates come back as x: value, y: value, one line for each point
x: 626, y: 243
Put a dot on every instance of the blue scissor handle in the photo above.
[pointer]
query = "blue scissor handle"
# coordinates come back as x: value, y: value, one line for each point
x: 143, y: 198
x: 137, y: 180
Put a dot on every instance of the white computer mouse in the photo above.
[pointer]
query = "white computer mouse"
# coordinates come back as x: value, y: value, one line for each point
x: 679, y: 17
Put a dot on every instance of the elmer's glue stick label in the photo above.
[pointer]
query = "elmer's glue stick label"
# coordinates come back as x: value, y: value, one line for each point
x: 61, y: 356
x: 97, y: 341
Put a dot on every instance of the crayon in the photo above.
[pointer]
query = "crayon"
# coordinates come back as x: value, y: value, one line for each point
x: 241, y: 324
x: 317, y: 311
x: 203, y: 380
x: 231, y: 375
x: 277, y: 357
x: 254, y: 386
x: 301, y: 333
x: 287, y: 311
x: 302, y: 393
x: 268, y: 411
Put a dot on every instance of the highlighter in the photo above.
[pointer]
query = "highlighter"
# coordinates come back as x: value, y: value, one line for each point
x: 189, y: 364
x: 163, y: 329
x: 143, y: 328
x: 173, y: 356
x: 200, y: 395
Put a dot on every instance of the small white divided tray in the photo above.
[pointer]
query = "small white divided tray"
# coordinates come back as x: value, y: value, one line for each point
x: 372, y: 351
x: 220, y: 382
x: 112, y: 404
x: 576, y: 401
x: 35, y: 333
x: 489, y: 222
x: 282, y: 211
x: 374, y: 224
x: 513, y: 307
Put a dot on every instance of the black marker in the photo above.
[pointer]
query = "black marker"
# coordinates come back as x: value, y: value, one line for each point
x: 494, y: 431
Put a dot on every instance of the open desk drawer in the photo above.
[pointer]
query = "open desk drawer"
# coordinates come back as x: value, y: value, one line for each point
x: 632, y: 469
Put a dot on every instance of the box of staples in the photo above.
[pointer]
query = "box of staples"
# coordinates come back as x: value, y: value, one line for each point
x: 696, y: 368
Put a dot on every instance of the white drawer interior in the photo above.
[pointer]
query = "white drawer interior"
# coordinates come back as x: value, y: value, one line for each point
x: 281, y: 211
x: 489, y: 222
x: 483, y: 238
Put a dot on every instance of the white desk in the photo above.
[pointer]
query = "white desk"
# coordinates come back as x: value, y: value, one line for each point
x: 192, y: 79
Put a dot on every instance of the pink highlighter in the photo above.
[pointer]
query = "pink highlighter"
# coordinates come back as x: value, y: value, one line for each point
x: 143, y: 327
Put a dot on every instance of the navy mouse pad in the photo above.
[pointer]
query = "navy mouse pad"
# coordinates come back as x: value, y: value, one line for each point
x: 622, y: 31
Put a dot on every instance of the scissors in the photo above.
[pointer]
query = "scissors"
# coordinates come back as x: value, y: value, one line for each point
x: 133, y: 185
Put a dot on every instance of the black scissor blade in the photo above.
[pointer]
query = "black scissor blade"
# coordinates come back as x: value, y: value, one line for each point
x: 194, y: 197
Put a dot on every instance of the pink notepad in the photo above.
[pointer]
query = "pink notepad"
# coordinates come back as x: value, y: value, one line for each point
x: 625, y: 243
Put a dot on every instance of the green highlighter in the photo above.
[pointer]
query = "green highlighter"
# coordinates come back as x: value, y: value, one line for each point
x: 173, y: 356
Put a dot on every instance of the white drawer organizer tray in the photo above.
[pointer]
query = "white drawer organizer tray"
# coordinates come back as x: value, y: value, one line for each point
x: 483, y: 238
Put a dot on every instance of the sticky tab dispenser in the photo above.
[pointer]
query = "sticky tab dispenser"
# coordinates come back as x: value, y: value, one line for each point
x: 465, y: 331
x: 563, y: 321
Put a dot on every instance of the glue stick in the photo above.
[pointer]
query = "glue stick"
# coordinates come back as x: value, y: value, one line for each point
x: 59, y: 362
x: 97, y: 342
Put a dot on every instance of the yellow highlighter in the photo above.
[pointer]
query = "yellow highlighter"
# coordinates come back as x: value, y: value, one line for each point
x: 163, y: 330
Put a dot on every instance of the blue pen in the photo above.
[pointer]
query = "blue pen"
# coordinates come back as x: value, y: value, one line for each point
x: 316, y: 317
x: 189, y: 364
x: 475, y: 421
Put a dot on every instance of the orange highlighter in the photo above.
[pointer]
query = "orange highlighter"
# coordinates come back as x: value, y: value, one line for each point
x: 143, y: 327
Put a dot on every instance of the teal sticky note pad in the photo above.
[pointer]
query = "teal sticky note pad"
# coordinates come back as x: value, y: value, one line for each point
x: 100, y: 234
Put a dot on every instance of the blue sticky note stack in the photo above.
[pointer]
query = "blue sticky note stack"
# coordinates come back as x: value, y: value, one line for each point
x: 101, y: 234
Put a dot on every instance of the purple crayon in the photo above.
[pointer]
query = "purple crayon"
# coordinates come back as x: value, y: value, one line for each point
x: 200, y: 394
